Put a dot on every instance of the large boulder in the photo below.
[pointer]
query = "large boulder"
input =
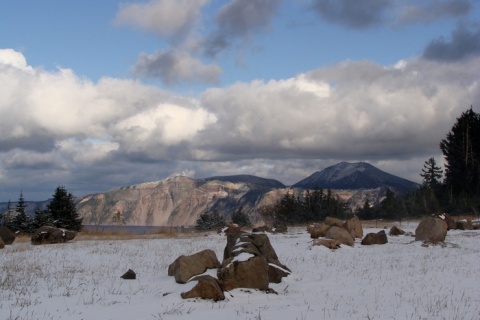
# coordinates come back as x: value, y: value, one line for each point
x: 207, y: 288
x: 48, y: 235
x: 431, y: 229
x: 375, y: 238
x: 185, y: 267
x: 354, y: 226
x: 318, y: 230
x: 334, y: 222
x: 6, y: 235
x: 244, y: 271
x: 341, y: 235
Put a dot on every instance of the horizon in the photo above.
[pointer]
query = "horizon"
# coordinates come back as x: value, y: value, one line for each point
x: 135, y: 91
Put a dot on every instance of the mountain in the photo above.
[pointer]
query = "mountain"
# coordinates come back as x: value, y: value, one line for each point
x: 177, y: 201
x: 351, y: 176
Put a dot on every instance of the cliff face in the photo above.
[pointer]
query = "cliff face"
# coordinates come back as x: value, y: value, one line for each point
x: 177, y: 201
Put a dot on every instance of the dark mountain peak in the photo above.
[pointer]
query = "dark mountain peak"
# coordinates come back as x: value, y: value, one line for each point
x: 245, y: 178
x: 359, y: 175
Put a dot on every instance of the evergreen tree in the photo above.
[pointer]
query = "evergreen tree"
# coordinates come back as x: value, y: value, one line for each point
x: 431, y: 174
x: 42, y: 218
x: 21, y: 222
x: 461, y: 149
x: 241, y: 218
x: 62, y: 210
x: 210, y: 221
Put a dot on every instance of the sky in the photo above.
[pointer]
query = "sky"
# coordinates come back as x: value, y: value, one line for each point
x: 101, y: 94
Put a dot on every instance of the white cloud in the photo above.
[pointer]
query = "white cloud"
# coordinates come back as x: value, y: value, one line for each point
x: 166, y: 18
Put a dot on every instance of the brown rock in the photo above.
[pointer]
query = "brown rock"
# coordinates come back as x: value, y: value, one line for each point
x: 207, y: 288
x: 329, y: 243
x: 129, y: 275
x: 318, y: 230
x: 431, y: 229
x: 465, y: 224
x: 354, y: 226
x: 2, y: 244
x: 48, y: 235
x: 451, y: 224
x: 6, y: 235
x: 280, y: 228
x: 185, y: 267
x: 334, y: 222
x: 395, y: 231
x: 341, y: 235
x: 252, y: 273
x: 375, y: 238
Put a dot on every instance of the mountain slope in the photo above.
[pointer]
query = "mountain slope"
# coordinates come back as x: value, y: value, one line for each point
x: 350, y: 176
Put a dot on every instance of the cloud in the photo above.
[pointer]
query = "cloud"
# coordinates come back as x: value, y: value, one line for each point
x: 58, y: 128
x: 239, y: 20
x: 176, y: 67
x: 169, y: 19
x: 352, y: 14
x: 430, y: 11
x: 464, y: 43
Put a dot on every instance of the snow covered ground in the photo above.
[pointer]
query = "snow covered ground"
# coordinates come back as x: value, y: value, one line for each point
x: 399, y: 280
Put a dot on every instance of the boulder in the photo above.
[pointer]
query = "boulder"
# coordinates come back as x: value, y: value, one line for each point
x: 375, y: 238
x: 48, y: 235
x: 334, y: 222
x: 185, y: 267
x: 2, y: 244
x: 318, y: 230
x: 431, y: 229
x: 280, y: 228
x: 129, y: 275
x: 6, y: 235
x: 341, y: 235
x: 207, y: 288
x: 329, y: 243
x: 244, y: 271
x: 395, y: 231
x: 354, y: 226
x: 451, y: 224
x: 465, y: 224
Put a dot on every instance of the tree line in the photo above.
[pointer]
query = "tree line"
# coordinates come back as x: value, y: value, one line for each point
x: 60, y: 212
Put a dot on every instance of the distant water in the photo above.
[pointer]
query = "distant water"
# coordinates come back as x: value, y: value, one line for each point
x: 134, y: 229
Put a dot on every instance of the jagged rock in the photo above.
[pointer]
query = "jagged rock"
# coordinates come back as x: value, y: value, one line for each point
x: 49, y: 235
x: 244, y: 271
x: 6, y: 235
x: 354, y: 226
x: 318, y: 230
x: 329, y: 243
x: 334, y: 222
x: 129, y: 275
x: 375, y: 238
x: 395, y: 231
x: 341, y: 235
x: 431, y: 229
x: 465, y: 224
x: 185, y: 267
x: 207, y: 288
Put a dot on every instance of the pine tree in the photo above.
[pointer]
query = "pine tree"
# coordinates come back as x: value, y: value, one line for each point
x: 461, y: 149
x: 431, y: 174
x: 21, y: 222
x: 42, y: 218
x: 241, y: 218
x: 63, y: 212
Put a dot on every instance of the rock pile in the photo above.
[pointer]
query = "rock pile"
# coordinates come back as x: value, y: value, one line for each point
x: 249, y: 261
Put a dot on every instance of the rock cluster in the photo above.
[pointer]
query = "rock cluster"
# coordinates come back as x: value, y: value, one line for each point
x: 249, y: 261
x: 344, y: 232
x: 48, y: 235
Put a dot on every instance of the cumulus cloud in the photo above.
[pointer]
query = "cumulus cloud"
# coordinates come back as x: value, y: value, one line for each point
x: 464, y: 43
x: 57, y: 128
x: 238, y: 21
x: 170, y: 19
x: 176, y: 67
x: 353, y: 14
x: 428, y: 11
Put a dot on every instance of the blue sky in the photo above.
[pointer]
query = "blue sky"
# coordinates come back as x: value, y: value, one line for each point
x: 99, y: 94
